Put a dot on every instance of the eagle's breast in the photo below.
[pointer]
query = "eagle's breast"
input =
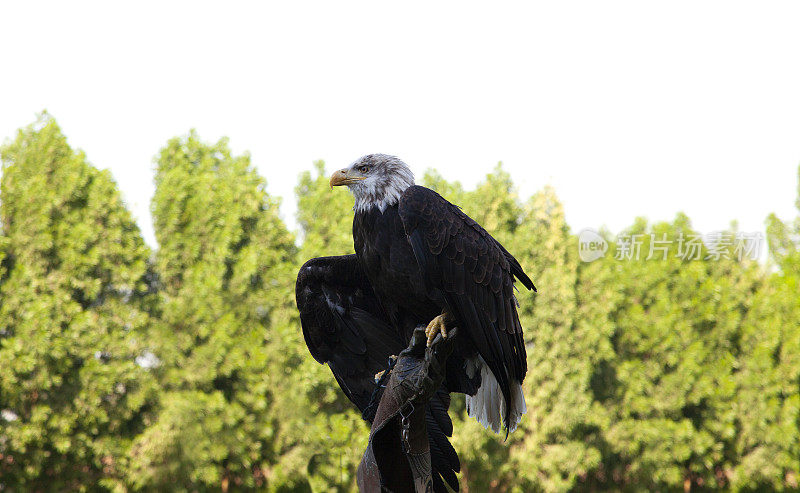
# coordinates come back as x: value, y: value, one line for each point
x: 388, y: 260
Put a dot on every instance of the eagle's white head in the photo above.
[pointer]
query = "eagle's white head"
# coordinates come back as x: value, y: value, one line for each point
x: 376, y: 180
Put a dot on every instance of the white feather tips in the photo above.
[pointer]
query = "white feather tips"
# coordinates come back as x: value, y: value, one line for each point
x: 488, y: 406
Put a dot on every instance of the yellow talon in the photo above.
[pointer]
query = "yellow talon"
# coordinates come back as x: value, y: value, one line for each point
x: 437, y: 326
x: 380, y: 374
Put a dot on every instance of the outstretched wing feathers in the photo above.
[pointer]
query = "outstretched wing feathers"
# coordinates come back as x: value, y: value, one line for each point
x: 345, y: 326
x: 469, y: 271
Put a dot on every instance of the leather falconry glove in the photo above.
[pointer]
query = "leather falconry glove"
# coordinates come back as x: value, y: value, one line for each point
x: 398, y: 458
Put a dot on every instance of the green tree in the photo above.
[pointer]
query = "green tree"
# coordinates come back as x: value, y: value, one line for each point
x: 766, y: 443
x: 225, y: 264
x: 767, y: 409
x: 72, y: 312
x: 784, y: 239
x: 670, y: 387
x: 557, y: 446
x: 325, y: 216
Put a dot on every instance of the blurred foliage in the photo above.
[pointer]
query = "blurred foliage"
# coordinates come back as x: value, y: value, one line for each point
x: 185, y: 369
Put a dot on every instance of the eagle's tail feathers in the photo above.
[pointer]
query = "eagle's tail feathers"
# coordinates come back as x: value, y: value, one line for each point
x: 488, y: 406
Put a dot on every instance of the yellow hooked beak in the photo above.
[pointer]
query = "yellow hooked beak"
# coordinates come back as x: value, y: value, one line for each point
x: 345, y: 176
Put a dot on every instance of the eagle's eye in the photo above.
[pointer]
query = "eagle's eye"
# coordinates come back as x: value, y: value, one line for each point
x: 363, y: 168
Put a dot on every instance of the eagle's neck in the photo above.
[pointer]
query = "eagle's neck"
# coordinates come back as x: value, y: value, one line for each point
x: 369, y: 196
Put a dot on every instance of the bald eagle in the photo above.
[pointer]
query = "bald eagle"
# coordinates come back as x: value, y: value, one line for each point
x: 419, y: 261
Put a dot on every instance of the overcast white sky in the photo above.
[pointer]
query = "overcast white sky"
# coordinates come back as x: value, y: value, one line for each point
x: 627, y: 108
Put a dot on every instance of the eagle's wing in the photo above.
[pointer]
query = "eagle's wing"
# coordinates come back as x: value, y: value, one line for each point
x: 472, y: 275
x: 345, y: 326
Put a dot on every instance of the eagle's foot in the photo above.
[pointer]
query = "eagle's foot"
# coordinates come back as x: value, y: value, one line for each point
x: 437, y: 326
